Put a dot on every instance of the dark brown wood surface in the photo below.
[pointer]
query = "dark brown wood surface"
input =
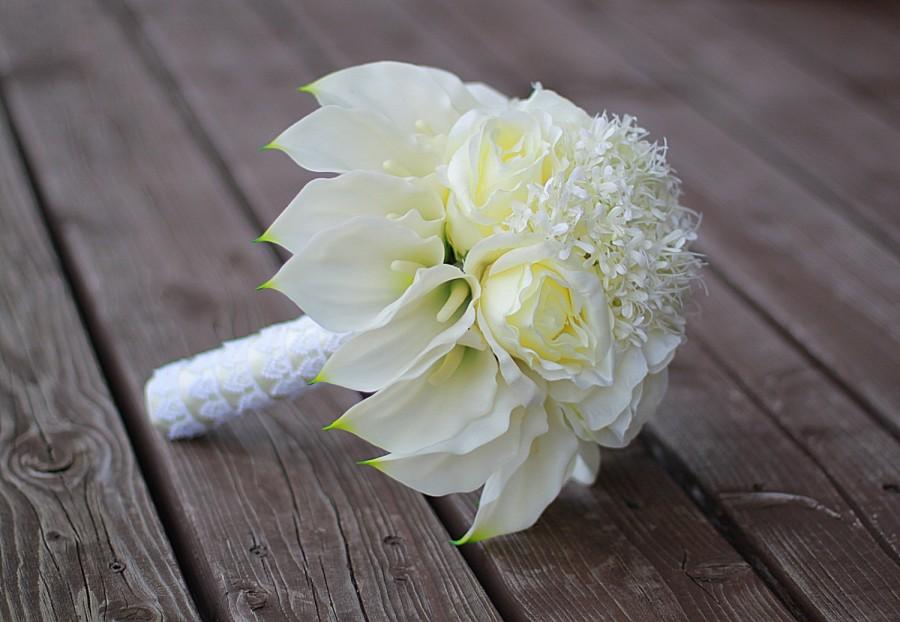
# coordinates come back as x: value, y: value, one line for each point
x: 766, y: 489
x: 710, y: 59
x: 79, y: 538
x: 845, y: 45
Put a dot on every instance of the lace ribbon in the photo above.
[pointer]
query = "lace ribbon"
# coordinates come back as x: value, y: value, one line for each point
x: 189, y: 397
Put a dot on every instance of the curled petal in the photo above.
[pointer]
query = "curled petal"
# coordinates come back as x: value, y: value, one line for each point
x: 412, y: 333
x: 659, y: 349
x: 344, y: 285
x: 561, y: 109
x: 440, y: 472
x: 411, y: 96
x: 328, y: 202
x: 601, y: 406
x: 336, y: 140
x: 646, y: 399
x: 413, y: 414
x: 515, y: 496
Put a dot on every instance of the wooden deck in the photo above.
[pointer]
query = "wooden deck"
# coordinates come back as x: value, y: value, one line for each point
x: 767, y: 488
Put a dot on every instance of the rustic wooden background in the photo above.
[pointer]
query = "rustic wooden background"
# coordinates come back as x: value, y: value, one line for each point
x: 768, y: 488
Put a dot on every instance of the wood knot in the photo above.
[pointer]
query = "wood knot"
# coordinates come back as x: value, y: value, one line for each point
x: 256, y: 598
x: 393, y: 540
x: 57, y: 459
x: 400, y: 574
x: 260, y: 550
x: 249, y: 594
x: 116, y: 566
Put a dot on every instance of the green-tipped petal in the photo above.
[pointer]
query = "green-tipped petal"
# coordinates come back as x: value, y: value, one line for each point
x: 308, y: 88
x: 265, y: 237
x: 471, y: 538
x: 272, y: 146
x: 372, y: 462
x: 337, y: 424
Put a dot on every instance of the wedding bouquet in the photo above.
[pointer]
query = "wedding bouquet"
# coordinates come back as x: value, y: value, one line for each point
x: 506, y: 276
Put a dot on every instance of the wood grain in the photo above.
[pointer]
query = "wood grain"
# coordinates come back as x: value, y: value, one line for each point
x: 80, y: 538
x: 861, y: 460
x: 649, y: 548
x: 847, y: 44
x: 706, y: 55
x: 272, y: 518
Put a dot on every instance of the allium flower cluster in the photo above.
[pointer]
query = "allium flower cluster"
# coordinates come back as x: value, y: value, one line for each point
x: 512, y: 273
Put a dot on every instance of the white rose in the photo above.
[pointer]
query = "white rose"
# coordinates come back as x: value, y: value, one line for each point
x: 550, y: 314
x: 493, y: 158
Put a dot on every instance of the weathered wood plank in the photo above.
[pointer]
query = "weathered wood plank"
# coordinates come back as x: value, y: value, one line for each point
x: 80, y: 537
x: 273, y: 518
x: 705, y: 55
x: 850, y: 42
x: 648, y: 575
x: 861, y: 460
x: 715, y: 421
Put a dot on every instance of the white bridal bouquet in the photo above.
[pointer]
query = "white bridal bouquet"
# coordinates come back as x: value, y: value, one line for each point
x: 507, y: 276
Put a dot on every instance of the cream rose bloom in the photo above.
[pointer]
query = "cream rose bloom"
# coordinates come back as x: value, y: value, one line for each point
x: 510, y: 272
x: 495, y: 157
x: 550, y: 314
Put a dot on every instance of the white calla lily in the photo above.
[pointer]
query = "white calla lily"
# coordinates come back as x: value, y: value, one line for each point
x: 515, y: 496
x: 420, y: 327
x: 328, y: 202
x: 336, y: 140
x: 458, y: 388
x: 412, y: 97
x: 344, y: 286
x: 438, y: 470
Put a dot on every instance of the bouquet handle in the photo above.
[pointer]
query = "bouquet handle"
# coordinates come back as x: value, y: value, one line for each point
x: 187, y: 398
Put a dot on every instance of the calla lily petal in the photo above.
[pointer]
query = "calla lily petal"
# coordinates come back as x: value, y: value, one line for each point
x: 411, y: 96
x: 417, y: 413
x: 336, y: 140
x: 327, y: 202
x: 439, y: 473
x: 344, y: 286
x: 410, y: 335
x: 514, y: 497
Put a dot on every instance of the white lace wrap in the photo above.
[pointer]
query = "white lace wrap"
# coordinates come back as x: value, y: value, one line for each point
x: 189, y: 397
